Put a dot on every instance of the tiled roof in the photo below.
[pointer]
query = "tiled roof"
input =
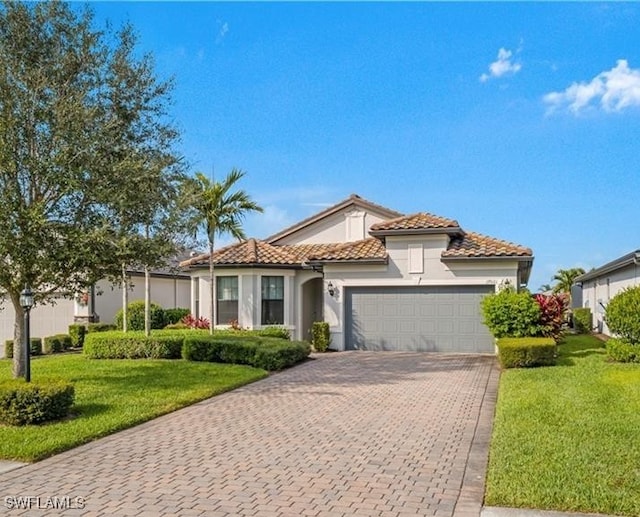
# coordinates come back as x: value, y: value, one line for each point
x: 419, y: 221
x: 366, y: 249
x: 477, y: 245
x: 353, y: 199
x: 260, y: 252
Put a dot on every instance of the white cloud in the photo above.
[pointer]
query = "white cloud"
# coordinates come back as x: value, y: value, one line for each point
x: 501, y: 66
x: 613, y: 90
x: 223, y: 28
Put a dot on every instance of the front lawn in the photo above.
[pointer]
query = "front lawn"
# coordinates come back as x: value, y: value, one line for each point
x: 115, y: 394
x: 567, y: 437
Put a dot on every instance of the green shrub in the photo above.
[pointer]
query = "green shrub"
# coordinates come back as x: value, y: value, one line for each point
x: 100, y: 327
x: 622, y: 314
x: 622, y: 351
x: 526, y: 352
x: 132, y: 345
x: 172, y: 316
x: 77, y: 333
x: 52, y: 345
x: 275, y: 331
x: 582, y: 321
x: 135, y: 316
x: 8, y: 349
x: 508, y: 313
x: 261, y: 352
x: 36, y: 346
x: 176, y: 326
x: 320, y: 336
x: 202, y: 348
x: 24, y: 403
x: 280, y: 355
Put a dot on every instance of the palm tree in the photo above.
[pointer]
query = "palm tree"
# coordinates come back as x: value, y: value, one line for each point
x: 545, y: 288
x: 218, y: 210
x: 565, y: 278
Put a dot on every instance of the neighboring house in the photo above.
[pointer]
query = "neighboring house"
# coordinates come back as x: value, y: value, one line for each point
x: 169, y: 288
x: 383, y: 280
x: 603, y: 283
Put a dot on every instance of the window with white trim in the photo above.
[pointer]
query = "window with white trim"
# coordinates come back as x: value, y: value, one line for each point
x: 227, y: 310
x: 272, y: 300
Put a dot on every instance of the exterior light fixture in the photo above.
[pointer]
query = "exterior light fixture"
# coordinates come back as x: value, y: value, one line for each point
x: 331, y: 289
x: 26, y: 302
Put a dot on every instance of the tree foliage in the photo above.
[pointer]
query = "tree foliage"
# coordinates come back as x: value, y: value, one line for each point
x: 86, y: 152
x: 217, y: 209
x: 623, y: 315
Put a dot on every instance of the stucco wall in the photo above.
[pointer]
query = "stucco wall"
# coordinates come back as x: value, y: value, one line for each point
x: 596, y: 293
x: 166, y: 292
x: 46, y: 320
x: 396, y: 273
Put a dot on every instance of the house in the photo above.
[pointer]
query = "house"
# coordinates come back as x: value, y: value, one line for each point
x: 601, y: 284
x: 169, y: 288
x: 381, y: 279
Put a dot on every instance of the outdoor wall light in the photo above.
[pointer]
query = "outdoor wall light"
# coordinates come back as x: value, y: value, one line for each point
x: 331, y: 289
x: 26, y: 302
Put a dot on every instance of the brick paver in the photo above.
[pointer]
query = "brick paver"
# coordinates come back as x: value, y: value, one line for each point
x: 354, y: 433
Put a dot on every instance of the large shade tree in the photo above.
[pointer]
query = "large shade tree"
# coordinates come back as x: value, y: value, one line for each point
x: 85, y: 145
x: 218, y: 208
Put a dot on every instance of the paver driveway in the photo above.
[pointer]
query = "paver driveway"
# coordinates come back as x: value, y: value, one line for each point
x: 355, y: 433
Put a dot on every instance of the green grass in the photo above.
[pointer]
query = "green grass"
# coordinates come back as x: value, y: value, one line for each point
x: 115, y: 394
x: 567, y: 437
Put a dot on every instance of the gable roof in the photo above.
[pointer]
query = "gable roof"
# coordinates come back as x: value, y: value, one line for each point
x: 624, y: 261
x: 268, y: 253
x: 476, y: 245
x: 419, y: 223
x: 352, y: 200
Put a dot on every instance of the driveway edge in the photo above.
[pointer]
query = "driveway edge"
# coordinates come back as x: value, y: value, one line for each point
x: 471, y: 497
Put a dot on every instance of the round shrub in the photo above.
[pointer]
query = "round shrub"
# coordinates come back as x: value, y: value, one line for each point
x: 135, y: 316
x: 508, y: 313
x: 623, y: 314
x: 173, y: 316
x: 622, y: 351
x: 24, y: 403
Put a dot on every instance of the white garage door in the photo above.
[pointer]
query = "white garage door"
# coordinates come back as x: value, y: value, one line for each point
x: 425, y: 319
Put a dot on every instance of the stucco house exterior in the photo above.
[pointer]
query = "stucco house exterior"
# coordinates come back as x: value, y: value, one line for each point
x: 169, y: 287
x: 383, y: 280
x: 602, y: 283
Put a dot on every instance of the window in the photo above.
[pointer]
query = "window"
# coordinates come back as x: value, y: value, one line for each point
x: 272, y: 300
x: 227, y: 311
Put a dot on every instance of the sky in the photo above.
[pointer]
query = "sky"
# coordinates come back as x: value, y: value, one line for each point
x: 519, y: 120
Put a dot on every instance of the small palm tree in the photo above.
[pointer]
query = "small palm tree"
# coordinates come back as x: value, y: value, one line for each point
x: 565, y: 278
x: 218, y: 209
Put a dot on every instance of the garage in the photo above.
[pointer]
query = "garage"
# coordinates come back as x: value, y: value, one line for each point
x: 417, y: 318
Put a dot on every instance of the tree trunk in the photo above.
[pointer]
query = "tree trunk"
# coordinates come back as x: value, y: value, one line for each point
x: 147, y: 301
x: 212, y: 287
x: 19, y: 364
x: 125, y: 297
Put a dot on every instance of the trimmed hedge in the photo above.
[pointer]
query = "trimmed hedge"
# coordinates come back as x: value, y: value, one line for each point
x: 526, y: 352
x: 320, y: 336
x: 24, y: 403
x: 8, y: 349
x: 100, y: 327
x: 278, y: 332
x: 56, y: 344
x: 582, y: 320
x: 77, y: 332
x: 622, y: 351
x: 36, y: 346
x: 132, y: 345
x: 266, y: 353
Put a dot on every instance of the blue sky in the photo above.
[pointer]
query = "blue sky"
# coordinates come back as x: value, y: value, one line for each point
x: 521, y: 121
